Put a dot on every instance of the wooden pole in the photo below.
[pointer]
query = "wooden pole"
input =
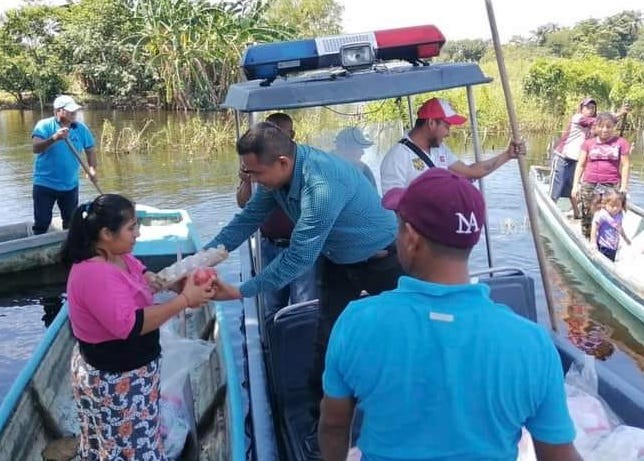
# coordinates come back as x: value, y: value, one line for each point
x: 523, y: 169
x: 85, y: 167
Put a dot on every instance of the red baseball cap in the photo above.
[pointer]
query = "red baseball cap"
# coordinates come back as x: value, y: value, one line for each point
x: 439, y: 109
x: 442, y: 206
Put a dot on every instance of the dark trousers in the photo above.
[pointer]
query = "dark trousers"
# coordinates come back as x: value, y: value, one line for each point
x: 44, y: 199
x: 340, y: 284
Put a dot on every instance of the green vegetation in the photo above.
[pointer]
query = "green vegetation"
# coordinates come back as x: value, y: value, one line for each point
x: 185, y: 52
x: 182, y: 54
x: 551, y: 71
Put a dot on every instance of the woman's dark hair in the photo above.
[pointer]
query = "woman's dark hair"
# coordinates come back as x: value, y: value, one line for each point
x: 109, y: 211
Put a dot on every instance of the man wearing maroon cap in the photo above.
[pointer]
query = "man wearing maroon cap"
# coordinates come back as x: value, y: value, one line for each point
x: 439, y: 370
x: 423, y: 148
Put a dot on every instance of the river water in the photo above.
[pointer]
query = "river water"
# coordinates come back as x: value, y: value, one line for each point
x: 175, y: 174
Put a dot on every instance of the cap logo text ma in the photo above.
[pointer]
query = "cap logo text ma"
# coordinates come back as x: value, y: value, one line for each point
x: 465, y: 225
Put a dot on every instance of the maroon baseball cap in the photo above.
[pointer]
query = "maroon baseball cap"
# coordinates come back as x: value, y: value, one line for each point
x: 442, y: 206
x: 439, y: 109
x: 587, y: 101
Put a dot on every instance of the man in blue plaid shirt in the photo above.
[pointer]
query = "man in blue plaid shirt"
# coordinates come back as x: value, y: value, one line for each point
x: 337, y: 214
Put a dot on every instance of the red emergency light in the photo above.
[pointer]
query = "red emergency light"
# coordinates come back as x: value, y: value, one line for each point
x: 352, y: 51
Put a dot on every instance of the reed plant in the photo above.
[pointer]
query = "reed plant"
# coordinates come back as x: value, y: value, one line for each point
x: 194, y: 136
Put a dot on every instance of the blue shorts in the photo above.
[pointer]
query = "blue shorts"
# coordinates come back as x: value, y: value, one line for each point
x: 563, y: 174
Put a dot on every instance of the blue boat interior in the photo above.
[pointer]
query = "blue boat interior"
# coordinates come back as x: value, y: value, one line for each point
x: 289, y: 351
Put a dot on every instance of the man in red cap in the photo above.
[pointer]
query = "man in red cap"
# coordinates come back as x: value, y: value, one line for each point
x: 439, y: 370
x: 423, y: 148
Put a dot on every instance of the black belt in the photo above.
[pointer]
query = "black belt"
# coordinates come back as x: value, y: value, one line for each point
x: 385, y: 252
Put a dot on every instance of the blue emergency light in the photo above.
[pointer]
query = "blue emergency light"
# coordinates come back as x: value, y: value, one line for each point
x: 268, y: 61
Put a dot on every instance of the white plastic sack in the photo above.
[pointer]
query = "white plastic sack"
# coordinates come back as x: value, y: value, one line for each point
x: 174, y: 425
x: 179, y: 356
x: 526, y: 447
x: 354, y: 454
x: 624, y: 443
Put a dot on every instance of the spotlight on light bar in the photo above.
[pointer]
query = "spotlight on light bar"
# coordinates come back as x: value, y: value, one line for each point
x: 268, y: 61
x: 357, y: 56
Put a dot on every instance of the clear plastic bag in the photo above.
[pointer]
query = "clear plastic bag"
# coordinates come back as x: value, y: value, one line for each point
x: 179, y: 357
x: 600, y: 434
x: 204, y: 258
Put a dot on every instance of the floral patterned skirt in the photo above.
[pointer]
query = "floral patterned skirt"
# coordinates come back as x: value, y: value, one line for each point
x: 118, y: 412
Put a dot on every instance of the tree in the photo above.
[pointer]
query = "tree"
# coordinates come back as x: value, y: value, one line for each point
x: 540, y: 35
x: 465, y: 50
x: 95, y: 48
x: 193, y: 47
x: 625, y: 27
x: 547, y: 83
x: 30, y: 53
x: 560, y: 43
x: 636, y: 50
x: 307, y: 18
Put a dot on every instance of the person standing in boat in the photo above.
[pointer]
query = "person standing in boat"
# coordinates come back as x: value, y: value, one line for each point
x: 567, y: 151
x: 439, y: 370
x: 350, y: 144
x: 337, y: 216
x: 604, y: 164
x: 423, y: 148
x: 56, y: 167
x: 606, y: 228
x: 276, y: 233
x: 566, y: 154
x: 115, y: 362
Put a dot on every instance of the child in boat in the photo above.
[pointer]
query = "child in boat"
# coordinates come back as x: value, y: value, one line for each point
x: 604, y: 163
x: 607, y: 224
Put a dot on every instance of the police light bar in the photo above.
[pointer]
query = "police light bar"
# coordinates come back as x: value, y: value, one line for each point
x: 269, y: 60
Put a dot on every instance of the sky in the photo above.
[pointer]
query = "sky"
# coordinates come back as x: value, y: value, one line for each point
x: 459, y: 19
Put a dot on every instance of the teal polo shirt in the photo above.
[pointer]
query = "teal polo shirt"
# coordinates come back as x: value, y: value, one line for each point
x: 442, y: 372
x: 57, y: 167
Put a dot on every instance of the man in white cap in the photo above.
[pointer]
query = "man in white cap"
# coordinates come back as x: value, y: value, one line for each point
x: 350, y: 143
x: 56, y: 167
x: 423, y: 148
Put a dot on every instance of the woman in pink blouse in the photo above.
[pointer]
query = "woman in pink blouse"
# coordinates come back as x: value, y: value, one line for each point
x: 604, y: 163
x: 115, y: 364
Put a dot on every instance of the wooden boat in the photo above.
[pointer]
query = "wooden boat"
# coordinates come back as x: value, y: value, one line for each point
x: 164, y: 233
x: 622, y: 279
x: 37, y: 418
x: 272, y: 416
x: 37, y: 415
x: 21, y: 250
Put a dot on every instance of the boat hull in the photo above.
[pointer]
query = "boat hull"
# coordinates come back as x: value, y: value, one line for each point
x: 164, y: 235
x: 38, y: 412
x: 620, y: 279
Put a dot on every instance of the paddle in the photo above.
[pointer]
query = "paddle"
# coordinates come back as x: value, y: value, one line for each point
x: 85, y: 167
x: 527, y: 191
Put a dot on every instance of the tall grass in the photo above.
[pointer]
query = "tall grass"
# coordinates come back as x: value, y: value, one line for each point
x: 194, y: 137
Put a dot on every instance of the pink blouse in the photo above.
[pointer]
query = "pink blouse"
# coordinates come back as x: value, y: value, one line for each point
x: 603, y: 159
x: 103, y: 298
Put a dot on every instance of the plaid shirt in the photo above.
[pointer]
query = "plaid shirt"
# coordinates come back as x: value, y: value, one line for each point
x: 336, y: 211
